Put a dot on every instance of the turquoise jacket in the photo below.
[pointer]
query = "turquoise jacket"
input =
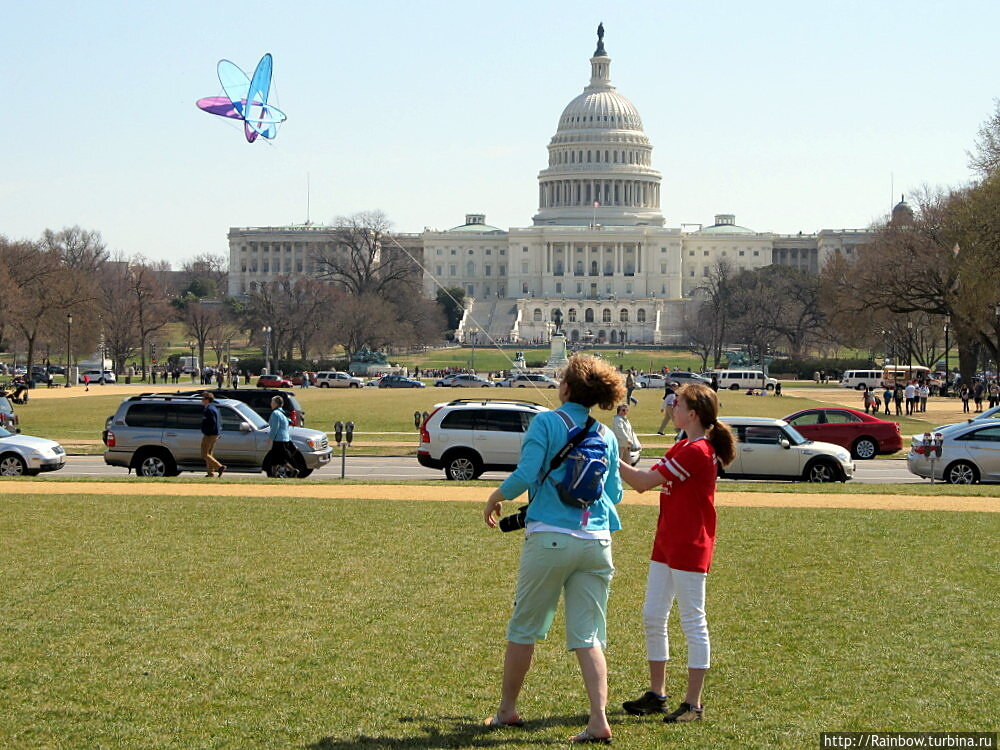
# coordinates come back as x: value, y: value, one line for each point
x: 546, y: 435
x: 278, y: 423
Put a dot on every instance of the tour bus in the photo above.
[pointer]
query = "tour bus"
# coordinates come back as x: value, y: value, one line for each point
x: 903, y: 374
x: 858, y: 379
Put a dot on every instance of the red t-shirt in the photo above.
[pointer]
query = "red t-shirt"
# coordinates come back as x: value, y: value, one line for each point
x: 685, y: 531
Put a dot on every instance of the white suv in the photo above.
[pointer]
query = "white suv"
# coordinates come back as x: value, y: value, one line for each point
x: 328, y: 379
x: 466, y: 437
x: 529, y: 380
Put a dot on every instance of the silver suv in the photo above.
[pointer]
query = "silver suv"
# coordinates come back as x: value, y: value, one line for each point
x: 160, y: 435
x: 466, y: 437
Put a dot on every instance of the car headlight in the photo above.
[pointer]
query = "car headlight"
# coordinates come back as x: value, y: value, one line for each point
x: 311, y: 443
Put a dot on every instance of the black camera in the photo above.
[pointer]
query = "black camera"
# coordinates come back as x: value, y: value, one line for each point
x: 514, y: 521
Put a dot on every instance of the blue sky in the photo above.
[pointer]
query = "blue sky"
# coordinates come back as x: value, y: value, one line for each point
x: 792, y: 115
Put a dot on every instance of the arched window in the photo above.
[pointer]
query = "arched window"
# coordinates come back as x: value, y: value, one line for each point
x: 640, y: 315
x: 537, y: 315
x: 574, y: 335
x: 614, y: 336
x: 606, y: 316
x: 593, y: 268
x: 524, y: 287
x: 588, y: 315
x: 572, y: 315
x: 623, y: 315
x: 609, y: 268
x: 579, y: 268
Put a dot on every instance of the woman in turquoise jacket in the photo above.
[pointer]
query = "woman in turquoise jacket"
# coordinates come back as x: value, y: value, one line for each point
x: 566, y: 551
x: 282, y: 449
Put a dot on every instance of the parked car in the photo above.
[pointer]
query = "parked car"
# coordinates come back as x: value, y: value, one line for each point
x: 463, y: 380
x: 97, y: 376
x: 861, y: 379
x: 738, y: 380
x: 659, y: 380
x: 25, y: 455
x: 652, y: 380
x: 399, y: 381
x: 774, y: 449
x: 529, y: 380
x: 466, y: 437
x: 332, y: 379
x: 970, y: 454
x: 160, y: 435
x: 865, y: 435
x: 258, y: 399
x: 8, y: 418
x: 273, y: 381
x: 990, y: 414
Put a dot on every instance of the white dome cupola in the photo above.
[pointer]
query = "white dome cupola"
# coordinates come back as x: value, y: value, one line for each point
x: 599, y: 155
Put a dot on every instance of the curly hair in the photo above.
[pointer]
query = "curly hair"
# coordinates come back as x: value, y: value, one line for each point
x: 593, y: 381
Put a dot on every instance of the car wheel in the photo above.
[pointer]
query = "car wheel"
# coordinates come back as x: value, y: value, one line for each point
x: 155, y: 464
x: 864, y: 448
x: 821, y: 471
x: 961, y: 472
x: 12, y: 465
x: 860, y: 387
x: 324, y: 385
x: 769, y: 387
x: 734, y: 387
x: 353, y: 385
x: 300, y: 466
x: 462, y: 466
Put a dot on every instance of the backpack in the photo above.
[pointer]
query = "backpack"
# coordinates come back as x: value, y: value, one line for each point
x: 587, y: 465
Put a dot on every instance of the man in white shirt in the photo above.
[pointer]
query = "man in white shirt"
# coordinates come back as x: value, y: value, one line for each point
x: 628, y: 441
x: 910, y: 394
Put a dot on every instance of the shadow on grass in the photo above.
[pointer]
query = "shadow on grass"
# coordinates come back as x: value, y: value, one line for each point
x: 458, y: 731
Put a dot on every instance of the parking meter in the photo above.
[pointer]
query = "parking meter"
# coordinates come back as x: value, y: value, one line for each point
x: 416, y: 419
x: 350, y: 432
x: 425, y: 416
x: 338, y: 431
x: 938, y: 444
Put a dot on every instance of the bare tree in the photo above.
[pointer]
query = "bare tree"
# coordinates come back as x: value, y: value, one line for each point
x: 205, y: 275
x: 359, y: 259
x: 78, y: 248
x: 717, y: 295
x: 700, y: 330
x: 985, y: 158
x: 202, y: 322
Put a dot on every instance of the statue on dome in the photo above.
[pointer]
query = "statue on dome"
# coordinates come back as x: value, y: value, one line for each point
x: 599, y: 52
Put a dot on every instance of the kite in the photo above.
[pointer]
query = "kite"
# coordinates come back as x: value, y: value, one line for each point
x: 246, y: 99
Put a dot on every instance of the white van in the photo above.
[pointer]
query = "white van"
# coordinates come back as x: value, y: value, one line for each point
x: 738, y: 380
x: 858, y: 379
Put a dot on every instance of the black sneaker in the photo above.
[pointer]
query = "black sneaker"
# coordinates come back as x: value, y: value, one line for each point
x: 684, y: 712
x: 648, y: 703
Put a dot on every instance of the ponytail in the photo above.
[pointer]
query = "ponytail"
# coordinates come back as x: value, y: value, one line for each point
x: 723, y: 442
x: 704, y: 402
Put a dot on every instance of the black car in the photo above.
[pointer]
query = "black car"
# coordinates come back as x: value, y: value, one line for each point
x: 259, y: 399
x: 398, y: 381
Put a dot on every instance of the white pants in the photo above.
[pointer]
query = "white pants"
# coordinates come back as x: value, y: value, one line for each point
x: 663, y: 586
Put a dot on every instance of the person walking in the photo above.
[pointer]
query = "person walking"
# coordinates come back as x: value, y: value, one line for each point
x: 977, y: 395
x: 236, y: 379
x: 897, y: 399
x: 667, y: 407
x: 923, y: 391
x: 628, y: 441
x: 887, y: 399
x: 567, y: 551
x: 963, y: 393
x: 867, y: 399
x: 629, y: 387
x: 910, y: 392
x: 279, y: 433
x: 211, y: 428
x: 682, y: 548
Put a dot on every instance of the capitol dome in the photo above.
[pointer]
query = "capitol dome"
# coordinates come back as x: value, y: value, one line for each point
x: 599, y: 160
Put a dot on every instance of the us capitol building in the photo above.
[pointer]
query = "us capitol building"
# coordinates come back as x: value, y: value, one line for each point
x: 598, y: 251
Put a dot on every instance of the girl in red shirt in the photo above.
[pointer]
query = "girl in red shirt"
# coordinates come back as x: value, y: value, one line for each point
x: 683, y: 546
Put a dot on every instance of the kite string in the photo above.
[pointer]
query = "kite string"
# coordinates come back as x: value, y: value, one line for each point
x: 541, y: 393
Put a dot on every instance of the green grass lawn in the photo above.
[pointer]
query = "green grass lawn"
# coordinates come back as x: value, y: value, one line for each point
x: 278, y: 623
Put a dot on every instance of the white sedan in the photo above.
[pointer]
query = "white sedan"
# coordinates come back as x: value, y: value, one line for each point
x: 773, y: 449
x: 96, y: 376
x: 24, y: 455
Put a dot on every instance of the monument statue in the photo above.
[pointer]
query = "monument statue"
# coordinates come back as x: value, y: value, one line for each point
x: 599, y: 52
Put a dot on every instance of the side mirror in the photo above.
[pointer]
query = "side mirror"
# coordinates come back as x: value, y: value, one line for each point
x: 784, y: 443
x: 244, y: 427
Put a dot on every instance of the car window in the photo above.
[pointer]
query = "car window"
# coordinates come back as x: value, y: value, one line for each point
x: 805, y: 419
x: 841, y: 417
x: 184, y: 417
x: 5, y: 405
x: 146, y: 415
x: 251, y: 416
x: 5, y: 433
x: 763, y: 435
x: 526, y: 417
x: 502, y: 421
x: 460, y: 419
x: 230, y: 419
x: 987, y: 434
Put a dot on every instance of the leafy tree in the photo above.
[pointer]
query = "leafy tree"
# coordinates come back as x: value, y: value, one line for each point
x: 452, y: 302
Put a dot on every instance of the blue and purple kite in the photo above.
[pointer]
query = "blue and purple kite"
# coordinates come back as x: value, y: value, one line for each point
x: 246, y: 99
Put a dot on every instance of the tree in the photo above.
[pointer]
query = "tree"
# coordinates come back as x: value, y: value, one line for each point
x: 985, y: 159
x: 202, y: 322
x: 205, y: 275
x: 361, y: 259
x: 717, y: 295
x: 700, y: 331
x: 452, y: 302
x: 78, y: 248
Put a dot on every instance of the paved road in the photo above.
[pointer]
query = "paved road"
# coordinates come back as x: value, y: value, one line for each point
x: 879, y: 471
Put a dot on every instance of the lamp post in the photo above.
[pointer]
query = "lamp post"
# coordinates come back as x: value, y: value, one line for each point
x: 909, y: 343
x: 947, y: 328
x: 996, y: 312
x: 266, y: 330
x: 473, y: 331
x: 69, y: 331
x: 191, y: 361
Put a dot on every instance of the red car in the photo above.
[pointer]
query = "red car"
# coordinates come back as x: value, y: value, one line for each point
x: 864, y: 435
x: 273, y: 381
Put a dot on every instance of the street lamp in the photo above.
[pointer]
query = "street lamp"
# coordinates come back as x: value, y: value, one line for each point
x: 472, y: 335
x: 69, y: 331
x: 191, y: 361
x: 909, y: 343
x: 947, y: 328
x: 267, y: 347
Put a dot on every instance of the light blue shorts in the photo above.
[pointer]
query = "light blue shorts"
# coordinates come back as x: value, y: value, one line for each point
x: 553, y: 563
